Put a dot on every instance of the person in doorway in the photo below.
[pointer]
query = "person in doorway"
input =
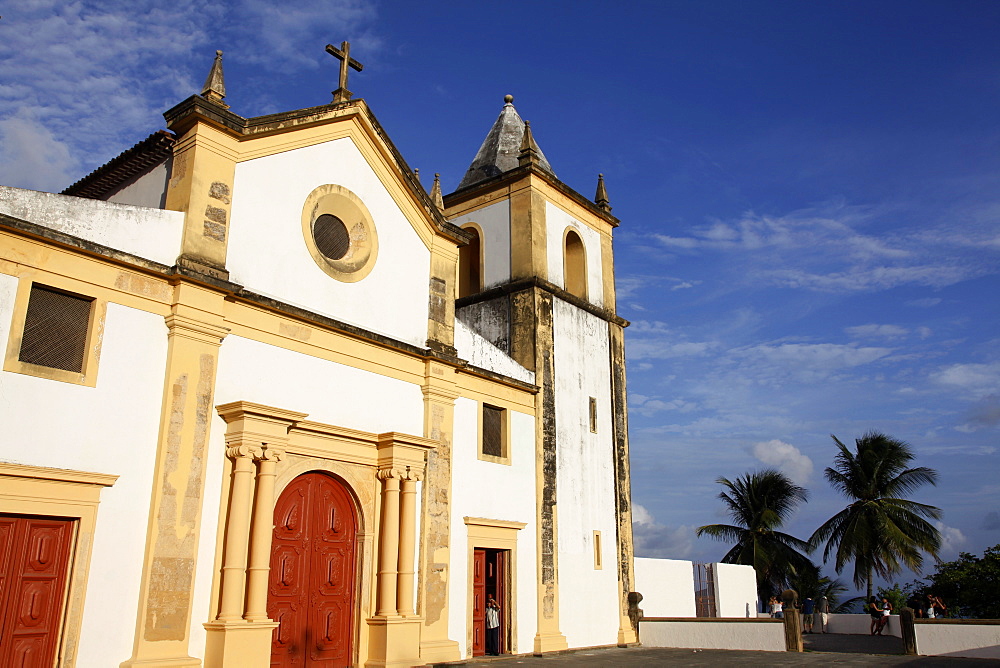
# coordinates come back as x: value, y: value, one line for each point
x: 808, y: 608
x: 876, y: 613
x: 492, y: 626
x: 823, y: 608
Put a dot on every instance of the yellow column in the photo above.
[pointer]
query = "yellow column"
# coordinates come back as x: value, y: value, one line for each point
x: 234, y: 567
x: 260, y: 539
x: 388, y: 558
x: 407, y: 540
x: 163, y: 620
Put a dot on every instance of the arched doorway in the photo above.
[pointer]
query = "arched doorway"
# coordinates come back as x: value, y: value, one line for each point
x: 311, y: 591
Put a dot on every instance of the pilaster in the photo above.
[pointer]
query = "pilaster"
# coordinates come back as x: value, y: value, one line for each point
x: 440, y: 392
x: 195, y: 332
x: 627, y: 632
x: 201, y: 185
x: 442, y: 289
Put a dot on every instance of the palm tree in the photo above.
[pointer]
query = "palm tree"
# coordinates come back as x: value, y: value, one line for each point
x: 880, y: 531
x: 808, y: 582
x: 759, y: 504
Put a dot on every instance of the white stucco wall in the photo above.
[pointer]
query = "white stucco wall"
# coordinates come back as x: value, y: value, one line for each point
x: 556, y: 222
x: 667, y: 587
x: 494, y: 220
x: 588, y: 597
x: 149, y: 190
x: 111, y: 428
x: 328, y: 392
x: 493, y: 491
x: 859, y: 625
x: 152, y: 234
x: 765, y: 635
x: 958, y: 638
x: 735, y: 590
x: 268, y: 254
x: 480, y: 352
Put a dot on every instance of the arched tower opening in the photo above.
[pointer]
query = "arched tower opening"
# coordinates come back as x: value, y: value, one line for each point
x: 575, y: 264
x: 470, y: 264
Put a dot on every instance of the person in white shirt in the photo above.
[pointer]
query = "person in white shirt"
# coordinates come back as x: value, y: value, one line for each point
x: 492, y: 626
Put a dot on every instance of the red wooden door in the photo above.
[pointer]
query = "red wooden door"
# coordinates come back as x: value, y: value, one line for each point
x: 34, y: 562
x: 479, y: 603
x: 311, y: 590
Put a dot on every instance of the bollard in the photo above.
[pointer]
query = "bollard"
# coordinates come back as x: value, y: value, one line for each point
x: 793, y: 621
x: 909, y: 633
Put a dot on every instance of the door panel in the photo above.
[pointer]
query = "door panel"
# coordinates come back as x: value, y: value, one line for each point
x: 34, y: 564
x: 311, y: 593
x: 479, y: 603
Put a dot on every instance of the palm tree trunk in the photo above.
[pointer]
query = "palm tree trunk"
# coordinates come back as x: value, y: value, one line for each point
x: 869, y: 597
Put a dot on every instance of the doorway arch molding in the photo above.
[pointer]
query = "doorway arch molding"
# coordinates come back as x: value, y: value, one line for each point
x: 266, y: 449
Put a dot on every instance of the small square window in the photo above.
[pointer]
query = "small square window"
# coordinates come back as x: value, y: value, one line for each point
x: 593, y: 415
x: 53, y: 334
x: 493, y: 435
x: 55, y: 329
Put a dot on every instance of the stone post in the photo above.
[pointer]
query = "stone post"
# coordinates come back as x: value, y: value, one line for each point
x: 793, y: 621
x: 909, y: 633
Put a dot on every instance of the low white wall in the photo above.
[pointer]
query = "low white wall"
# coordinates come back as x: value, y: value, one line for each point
x: 978, y: 639
x: 766, y: 635
x: 667, y: 587
x: 735, y: 590
x: 859, y: 625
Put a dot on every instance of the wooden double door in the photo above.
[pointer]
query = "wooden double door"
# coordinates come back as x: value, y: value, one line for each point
x: 34, y: 564
x: 311, y: 592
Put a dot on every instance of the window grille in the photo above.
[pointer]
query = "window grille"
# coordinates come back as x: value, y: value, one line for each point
x: 493, y: 431
x: 704, y: 591
x: 331, y: 235
x: 55, y: 329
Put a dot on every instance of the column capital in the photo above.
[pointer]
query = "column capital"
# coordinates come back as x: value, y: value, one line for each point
x: 244, y: 450
x: 192, y: 328
x: 388, y: 473
x: 271, y: 453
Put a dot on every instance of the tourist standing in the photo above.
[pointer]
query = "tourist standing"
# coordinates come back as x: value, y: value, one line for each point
x: 492, y: 626
x: 823, y: 608
x: 876, y: 612
x: 808, y: 608
x: 886, y: 611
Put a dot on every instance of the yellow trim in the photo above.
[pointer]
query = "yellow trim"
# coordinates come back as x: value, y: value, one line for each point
x: 351, y: 210
x: 495, y: 535
x: 35, y: 490
x: 87, y: 376
x: 598, y: 551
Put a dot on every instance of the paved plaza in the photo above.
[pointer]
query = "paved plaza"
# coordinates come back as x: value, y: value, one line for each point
x: 851, y: 651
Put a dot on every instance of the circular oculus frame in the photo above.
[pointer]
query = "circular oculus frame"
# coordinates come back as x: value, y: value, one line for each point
x: 339, y: 233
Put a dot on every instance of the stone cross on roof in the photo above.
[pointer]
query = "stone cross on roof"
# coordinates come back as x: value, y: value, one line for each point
x: 344, y: 55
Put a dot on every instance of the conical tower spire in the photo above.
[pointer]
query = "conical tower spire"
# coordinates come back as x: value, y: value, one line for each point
x: 215, y: 85
x: 436, y: 195
x: 601, y: 198
x: 529, y: 149
x: 501, y: 148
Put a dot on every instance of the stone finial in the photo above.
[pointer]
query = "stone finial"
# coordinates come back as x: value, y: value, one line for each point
x: 601, y: 198
x: 416, y: 174
x: 436, y: 195
x: 508, y: 99
x: 215, y: 85
x: 529, y: 149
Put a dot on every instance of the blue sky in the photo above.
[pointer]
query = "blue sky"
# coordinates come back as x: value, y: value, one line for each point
x: 809, y: 195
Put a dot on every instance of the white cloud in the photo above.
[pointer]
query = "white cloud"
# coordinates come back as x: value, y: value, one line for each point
x: 874, y: 331
x: 659, y: 541
x: 952, y: 541
x: 649, y: 406
x: 978, y: 380
x: 785, y: 457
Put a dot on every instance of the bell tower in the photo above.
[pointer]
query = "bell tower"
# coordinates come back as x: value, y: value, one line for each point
x: 538, y: 283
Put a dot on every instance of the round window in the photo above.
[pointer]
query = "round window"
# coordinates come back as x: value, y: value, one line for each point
x: 331, y: 235
x: 339, y: 233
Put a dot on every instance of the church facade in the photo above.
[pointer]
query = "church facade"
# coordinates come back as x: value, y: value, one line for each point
x: 298, y: 411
